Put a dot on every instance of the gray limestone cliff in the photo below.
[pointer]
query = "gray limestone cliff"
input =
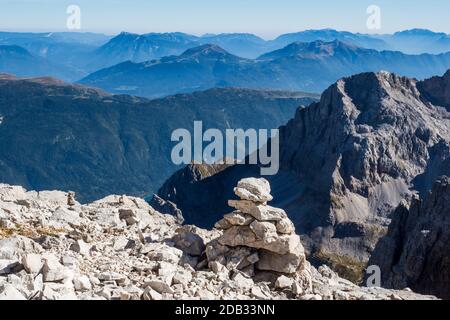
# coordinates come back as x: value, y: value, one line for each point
x: 347, y: 162
x: 415, y: 252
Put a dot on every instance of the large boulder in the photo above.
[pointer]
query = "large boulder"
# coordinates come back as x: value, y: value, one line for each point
x: 8, y: 292
x: 284, y: 263
x: 187, y: 240
x: 252, y: 189
x: 245, y: 236
x: 15, y: 247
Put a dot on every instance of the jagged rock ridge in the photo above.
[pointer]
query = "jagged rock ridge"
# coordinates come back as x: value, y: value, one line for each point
x: 347, y: 162
x: 415, y: 251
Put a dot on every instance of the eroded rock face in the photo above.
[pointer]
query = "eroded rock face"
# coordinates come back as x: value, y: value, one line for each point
x: 120, y: 248
x: 415, y: 253
x: 166, y: 207
x: 347, y: 162
x: 358, y: 151
x: 288, y: 263
x: 187, y: 239
x: 436, y: 90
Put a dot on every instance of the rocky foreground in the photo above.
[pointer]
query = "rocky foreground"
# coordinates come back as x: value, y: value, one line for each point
x: 120, y: 248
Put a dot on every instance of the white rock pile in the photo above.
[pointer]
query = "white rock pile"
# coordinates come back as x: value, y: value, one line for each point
x: 263, y: 237
x: 119, y: 248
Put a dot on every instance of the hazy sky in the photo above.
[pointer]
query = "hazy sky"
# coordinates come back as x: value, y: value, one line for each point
x: 266, y: 18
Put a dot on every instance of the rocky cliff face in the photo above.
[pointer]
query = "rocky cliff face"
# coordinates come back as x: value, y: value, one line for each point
x: 358, y: 152
x: 348, y: 160
x: 436, y: 90
x: 120, y: 248
x: 415, y: 251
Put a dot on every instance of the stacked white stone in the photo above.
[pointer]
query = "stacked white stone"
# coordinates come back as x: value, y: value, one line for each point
x: 264, y: 233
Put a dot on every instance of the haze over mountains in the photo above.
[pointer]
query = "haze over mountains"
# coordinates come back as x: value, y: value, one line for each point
x: 76, y: 55
x: 59, y: 54
x: 143, y: 47
x: 310, y: 67
x: 18, y: 60
x: 417, y: 41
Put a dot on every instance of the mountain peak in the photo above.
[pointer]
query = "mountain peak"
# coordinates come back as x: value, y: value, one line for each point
x: 329, y: 46
x: 314, y: 49
x: 125, y: 34
x: 365, y: 89
x: 447, y: 75
x: 234, y: 36
x: 206, y: 50
x: 419, y: 32
x: 119, y: 39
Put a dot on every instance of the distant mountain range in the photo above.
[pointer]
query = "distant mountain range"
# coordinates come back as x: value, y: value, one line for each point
x: 417, y: 41
x: 310, y: 67
x: 139, y: 48
x: 62, y: 54
x: 196, y: 69
x: 21, y: 62
x: 329, y: 35
x: 57, y: 135
x: 79, y: 54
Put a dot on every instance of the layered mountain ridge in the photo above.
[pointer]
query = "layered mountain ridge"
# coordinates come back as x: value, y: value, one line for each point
x: 76, y: 55
x: 21, y: 62
x: 310, y: 67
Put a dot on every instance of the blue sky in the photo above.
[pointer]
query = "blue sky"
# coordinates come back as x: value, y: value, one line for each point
x: 267, y: 18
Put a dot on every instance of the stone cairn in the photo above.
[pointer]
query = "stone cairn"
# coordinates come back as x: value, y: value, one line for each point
x: 257, y: 238
x: 71, y: 199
